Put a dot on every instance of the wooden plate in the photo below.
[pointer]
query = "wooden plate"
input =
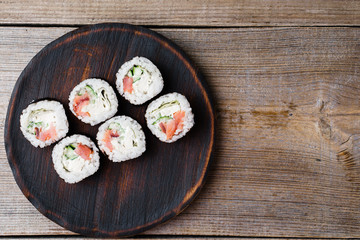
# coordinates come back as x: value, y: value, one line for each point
x: 121, y: 198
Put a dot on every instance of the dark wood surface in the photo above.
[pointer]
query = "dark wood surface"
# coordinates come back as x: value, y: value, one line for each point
x: 121, y: 198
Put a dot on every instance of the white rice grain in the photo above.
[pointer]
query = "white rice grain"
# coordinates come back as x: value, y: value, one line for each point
x: 153, y: 114
x: 143, y: 90
x: 51, y: 112
x: 130, y: 142
x: 105, y: 107
x: 81, y: 168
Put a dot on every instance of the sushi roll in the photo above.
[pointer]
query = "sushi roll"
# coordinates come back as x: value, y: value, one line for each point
x: 43, y: 123
x: 93, y: 101
x: 139, y: 80
x: 75, y: 158
x: 169, y: 117
x: 121, y: 138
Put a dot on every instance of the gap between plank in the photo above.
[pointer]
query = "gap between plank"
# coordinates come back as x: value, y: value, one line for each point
x: 39, y: 25
x: 164, y: 237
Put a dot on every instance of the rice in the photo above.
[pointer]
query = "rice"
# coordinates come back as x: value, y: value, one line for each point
x: 43, y: 123
x: 169, y: 117
x: 139, y: 80
x: 93, y: 101
x: 75, y: 158
x: 121, y: 138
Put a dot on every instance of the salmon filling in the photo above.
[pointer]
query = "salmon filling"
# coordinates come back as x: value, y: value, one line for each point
x: 41, y: 123
x: 75, y: 155
x: 174, y: 124
x: 109, y: 135
x: 137, y: 77
x: 75, y: 150
x: 119, y: 137
x: 89, y: 102
x: 48, y: 134
x: 169, y: 118
x: 83, y: 151
x: 79, y: 103
x: 128, y: 84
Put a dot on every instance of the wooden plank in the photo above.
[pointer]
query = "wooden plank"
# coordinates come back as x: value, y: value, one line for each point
x: 160, y: 237
x: 184, y: 13
x: 153, y: 237
x: 287, y: 151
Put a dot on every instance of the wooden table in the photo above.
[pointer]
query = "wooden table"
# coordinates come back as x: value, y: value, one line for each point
x: 285, y: 76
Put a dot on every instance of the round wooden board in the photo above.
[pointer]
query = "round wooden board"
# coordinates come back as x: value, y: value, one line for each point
x: 125, y: 198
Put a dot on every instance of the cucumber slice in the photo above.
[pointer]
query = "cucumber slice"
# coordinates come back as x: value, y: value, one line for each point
x: 131, y: 72
x: 116, y: 126
x: 32, y: 125
x: 161, y: 118
x: 70, y: 153
x: 90, y: 90
x: 138, y: 71
x: 166, y: 104
x: 73, y: 146
x: 35, y: 124
x: 39, y: 124
x: 136, y: 79
x: 30, y: 128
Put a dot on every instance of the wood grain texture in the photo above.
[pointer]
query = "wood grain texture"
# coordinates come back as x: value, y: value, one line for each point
x: 152, y: 238
x: 161, y: 237
x: 287, y: 159
x: 183, y: 12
